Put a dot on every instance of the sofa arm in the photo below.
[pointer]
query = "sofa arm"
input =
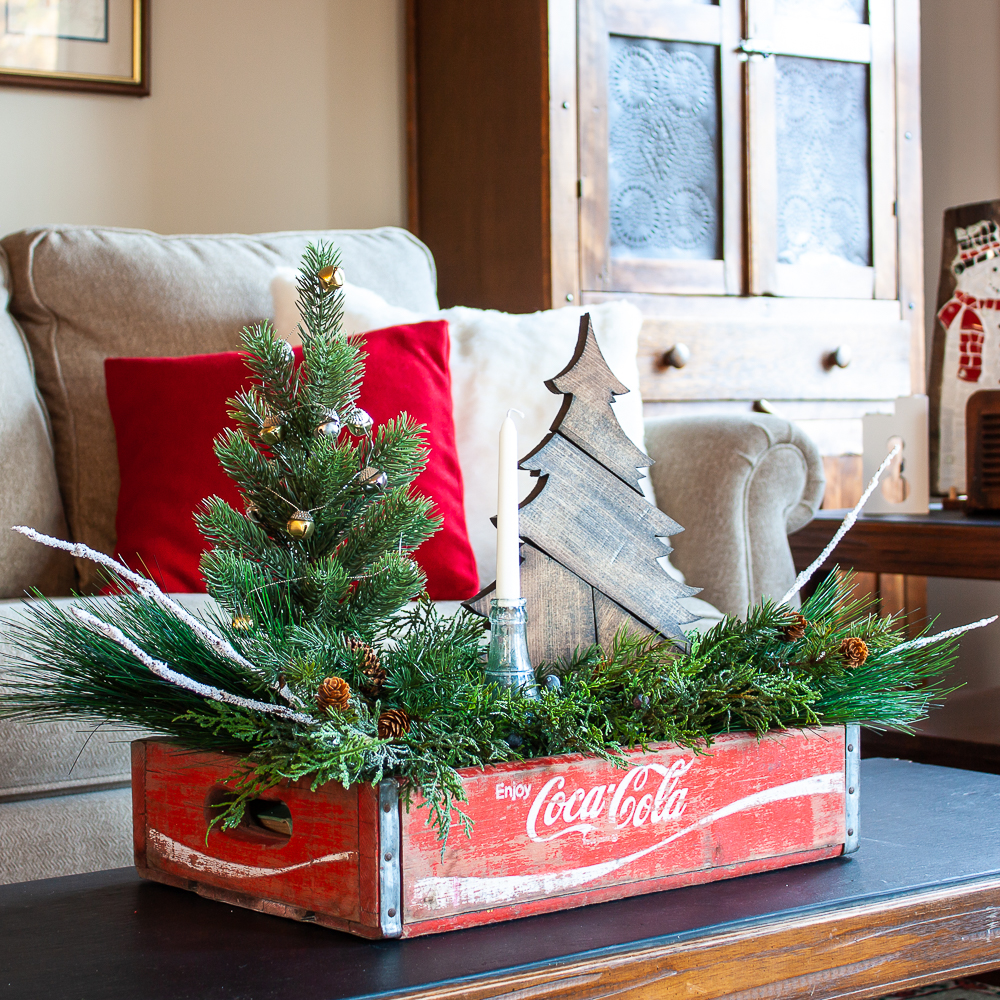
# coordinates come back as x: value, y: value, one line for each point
x: 739, y: 485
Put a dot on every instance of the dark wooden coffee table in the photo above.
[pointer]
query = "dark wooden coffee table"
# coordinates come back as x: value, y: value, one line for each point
x: 919, y: 902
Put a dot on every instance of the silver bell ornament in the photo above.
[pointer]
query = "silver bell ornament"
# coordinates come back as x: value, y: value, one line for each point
x: 358, y: 422
x: 372, y: 478
x: 301, y: 524
x: 253, y: 513
x: 329, y: 426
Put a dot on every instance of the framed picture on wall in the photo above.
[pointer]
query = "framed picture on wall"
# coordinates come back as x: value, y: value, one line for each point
x: 100, y: 46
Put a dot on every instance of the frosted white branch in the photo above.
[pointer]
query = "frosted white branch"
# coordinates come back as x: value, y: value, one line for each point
x: 147, y: 588
x: 807, y: 574
x: 926, y: 640
x: 166, y: 673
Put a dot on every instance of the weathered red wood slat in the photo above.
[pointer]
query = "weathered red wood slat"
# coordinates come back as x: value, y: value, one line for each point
x: 549, y: 834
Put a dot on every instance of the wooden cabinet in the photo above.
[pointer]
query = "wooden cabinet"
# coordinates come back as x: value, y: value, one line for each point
x: 746, y: 171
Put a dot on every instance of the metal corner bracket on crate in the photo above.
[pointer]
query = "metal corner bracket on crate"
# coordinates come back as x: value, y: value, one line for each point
x: 549, y: 834
x: 852, y: 794
x: 390, y: 881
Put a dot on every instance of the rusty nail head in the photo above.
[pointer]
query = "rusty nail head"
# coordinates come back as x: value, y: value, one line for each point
x: 388, y: 855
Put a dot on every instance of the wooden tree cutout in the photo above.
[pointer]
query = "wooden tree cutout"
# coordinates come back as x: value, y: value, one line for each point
x: 590, y: 539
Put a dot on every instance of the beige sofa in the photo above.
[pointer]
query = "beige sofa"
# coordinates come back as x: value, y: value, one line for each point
x: 76, y: 295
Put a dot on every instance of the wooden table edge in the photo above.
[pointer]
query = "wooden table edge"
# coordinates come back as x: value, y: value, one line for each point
x: 967, y: 548
x: 872, y: 948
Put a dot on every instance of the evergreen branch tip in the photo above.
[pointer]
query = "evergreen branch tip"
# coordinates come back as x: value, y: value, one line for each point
x: 166, y: 673
x: 146, y: 588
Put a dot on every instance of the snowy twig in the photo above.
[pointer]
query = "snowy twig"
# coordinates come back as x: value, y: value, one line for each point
x: 161, y: 670
x: 147, y: 588
x: 806, y: 575
x: 926, y: 640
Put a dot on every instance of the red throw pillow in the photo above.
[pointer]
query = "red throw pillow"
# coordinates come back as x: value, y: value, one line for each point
x: 168, y: 411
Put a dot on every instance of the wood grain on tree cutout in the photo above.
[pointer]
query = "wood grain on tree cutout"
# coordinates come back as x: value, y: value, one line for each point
x: 595, y: 541
x: 588, y: 388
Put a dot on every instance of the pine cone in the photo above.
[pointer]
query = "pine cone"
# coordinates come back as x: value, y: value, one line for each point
x: 796, y: 630
x: 854, y: 651
x: 392, y: 724
x: 334, y: 692
x: 370, y: 665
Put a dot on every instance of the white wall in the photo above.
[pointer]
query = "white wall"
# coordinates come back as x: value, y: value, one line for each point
x: 960, y: 84
x: 264, y: 115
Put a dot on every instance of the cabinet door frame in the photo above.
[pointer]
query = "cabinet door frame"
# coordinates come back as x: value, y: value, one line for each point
x: 563, y: 154
x: 717, y: 25
x: 871, y: 44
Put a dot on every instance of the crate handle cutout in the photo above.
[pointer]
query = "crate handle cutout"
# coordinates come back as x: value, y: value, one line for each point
x: 266, y: 822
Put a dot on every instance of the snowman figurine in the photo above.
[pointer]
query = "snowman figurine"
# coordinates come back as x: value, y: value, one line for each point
x: 971, y: 318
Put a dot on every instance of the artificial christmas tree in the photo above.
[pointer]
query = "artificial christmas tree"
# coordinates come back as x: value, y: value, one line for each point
x: 329, y: 520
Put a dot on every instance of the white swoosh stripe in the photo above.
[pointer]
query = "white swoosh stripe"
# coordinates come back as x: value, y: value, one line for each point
x: 457, y: 891
x: 170, y: 850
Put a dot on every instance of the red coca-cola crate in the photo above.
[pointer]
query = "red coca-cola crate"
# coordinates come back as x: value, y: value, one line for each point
x: 549, y: 834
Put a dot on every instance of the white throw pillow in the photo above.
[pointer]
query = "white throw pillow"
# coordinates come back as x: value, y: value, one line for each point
x: 500, y: 361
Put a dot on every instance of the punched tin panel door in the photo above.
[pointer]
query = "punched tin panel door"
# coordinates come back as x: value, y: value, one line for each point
x: 740, y: 182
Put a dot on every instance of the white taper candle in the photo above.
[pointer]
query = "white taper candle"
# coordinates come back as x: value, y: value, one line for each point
x: 508, y: 556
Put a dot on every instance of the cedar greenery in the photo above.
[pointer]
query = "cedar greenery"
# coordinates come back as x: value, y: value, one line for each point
x: 315, y: 603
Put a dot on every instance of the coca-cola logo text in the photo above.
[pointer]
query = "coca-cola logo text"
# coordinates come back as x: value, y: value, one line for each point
x: 556, y: 812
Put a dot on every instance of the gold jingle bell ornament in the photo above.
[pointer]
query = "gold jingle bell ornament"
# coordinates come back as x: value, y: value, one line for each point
x: 330, y: 426
x: 358, y: 422
x: 331, y: 277
x: 253, y: 513
x: 301, y: 524
x: 372, y: 478
x: 242, y: 623
x: 272, y: 430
